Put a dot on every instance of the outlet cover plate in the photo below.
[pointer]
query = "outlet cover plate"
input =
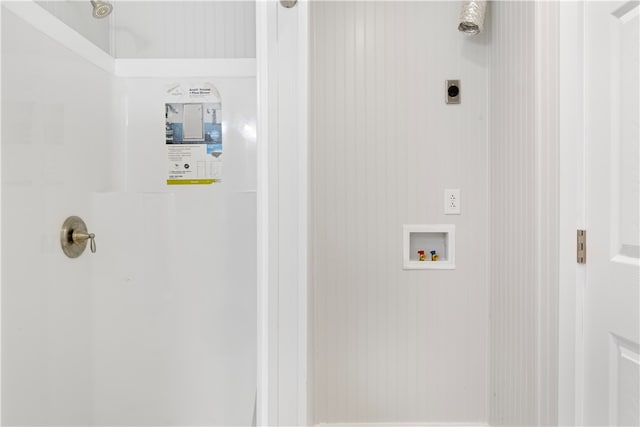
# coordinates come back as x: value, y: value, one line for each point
x: 452, y: 201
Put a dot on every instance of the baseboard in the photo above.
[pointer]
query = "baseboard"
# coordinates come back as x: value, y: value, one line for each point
x: 402, y: 425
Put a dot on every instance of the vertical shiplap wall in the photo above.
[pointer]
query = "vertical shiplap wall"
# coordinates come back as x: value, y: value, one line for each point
x: 393, y: 345
x: 524, y: 190
x: 514, y: 290
x: 547, y: 131
x: 185, y: 29
x: 165, y: 29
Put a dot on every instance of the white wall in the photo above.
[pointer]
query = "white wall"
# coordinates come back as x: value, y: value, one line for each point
x: 393, y: 345
x: 548, y: 201
x: 185, y: 29
x: 513, y: 301
x: 78, y: 15
x: 513, y: 294
x: 198, y: 364
x: 165, y: 29
x: 159, y: 326
x: 57, y: 150
x: 523, y: 186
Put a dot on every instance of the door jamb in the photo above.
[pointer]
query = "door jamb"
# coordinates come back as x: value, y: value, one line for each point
x: 572, y: 215
x: 281, y: 57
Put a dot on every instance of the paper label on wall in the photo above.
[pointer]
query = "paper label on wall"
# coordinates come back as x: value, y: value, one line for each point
x: 193, y: 128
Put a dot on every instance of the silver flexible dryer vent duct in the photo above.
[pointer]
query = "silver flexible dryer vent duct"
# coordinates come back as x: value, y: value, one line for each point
x: 101, y: 9
x: 472, y: 16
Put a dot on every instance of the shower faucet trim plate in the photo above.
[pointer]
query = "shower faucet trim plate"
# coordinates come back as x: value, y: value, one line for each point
x: 74, y: 237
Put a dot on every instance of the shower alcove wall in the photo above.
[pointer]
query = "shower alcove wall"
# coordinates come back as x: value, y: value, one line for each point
x: 478, y: 344
x: 159, y: 326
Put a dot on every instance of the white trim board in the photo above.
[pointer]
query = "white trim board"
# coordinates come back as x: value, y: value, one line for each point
x: 571, y: 215
x: 0, y: 228
x: 305, y: 405
x: 403, y: 425
x: 282, y: 93
x: 263, y: 368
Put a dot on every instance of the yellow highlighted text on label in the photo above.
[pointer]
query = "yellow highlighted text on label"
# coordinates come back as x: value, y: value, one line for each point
x: 190, y: 181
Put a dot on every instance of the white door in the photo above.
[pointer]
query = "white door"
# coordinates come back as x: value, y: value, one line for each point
x: 193, y: 124
x: 611, y: 313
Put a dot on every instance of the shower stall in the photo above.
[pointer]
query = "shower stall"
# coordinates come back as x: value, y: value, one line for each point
x: 158, y: 326
x: 304, y: 213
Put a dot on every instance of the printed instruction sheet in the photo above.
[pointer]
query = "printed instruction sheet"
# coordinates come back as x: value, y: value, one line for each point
x: 193, y: 128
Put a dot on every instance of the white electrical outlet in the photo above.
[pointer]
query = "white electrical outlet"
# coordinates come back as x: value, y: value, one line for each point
x: 452, y: 201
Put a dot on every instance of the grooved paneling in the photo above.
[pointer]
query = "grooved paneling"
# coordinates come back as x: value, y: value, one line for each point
x: 184, y: 29
x: 512, y: 264
x: 523, y: 185
x: 165, y: 29
x: 547, y: 71
x: 393, y: 345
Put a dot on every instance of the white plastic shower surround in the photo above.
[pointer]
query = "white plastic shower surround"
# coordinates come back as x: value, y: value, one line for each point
x: 88, y: 54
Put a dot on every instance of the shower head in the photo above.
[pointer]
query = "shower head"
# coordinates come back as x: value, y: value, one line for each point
x: 101, y: 9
